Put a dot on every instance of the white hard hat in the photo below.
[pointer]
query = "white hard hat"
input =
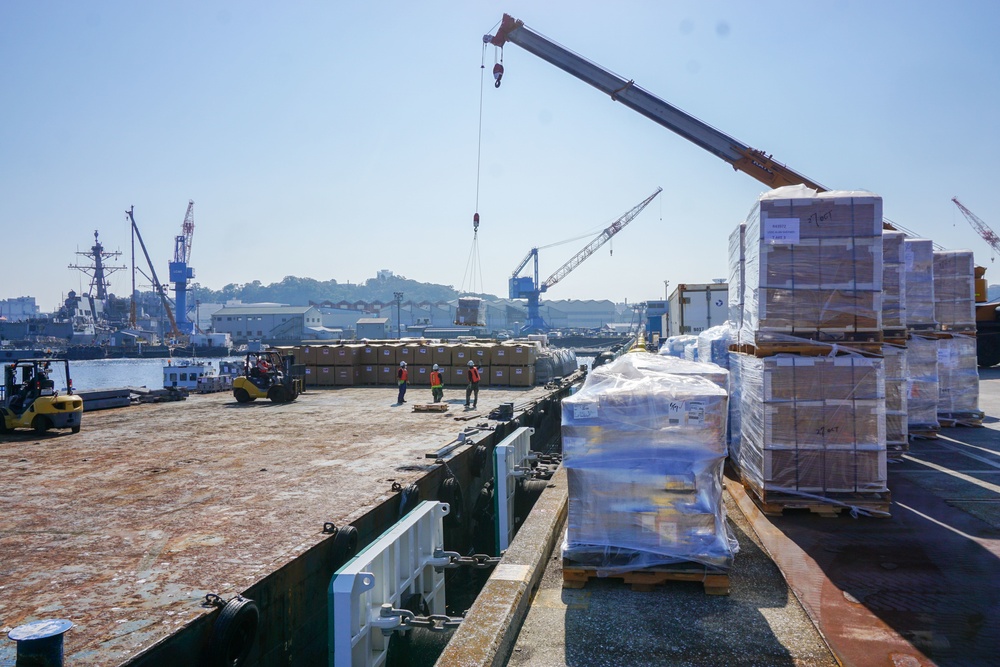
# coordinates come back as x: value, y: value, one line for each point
x: 471, y: 363
x: 435, y: 367
x: 403, y: 364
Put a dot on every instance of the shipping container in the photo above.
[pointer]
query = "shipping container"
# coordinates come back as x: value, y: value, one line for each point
x: 693, y: 308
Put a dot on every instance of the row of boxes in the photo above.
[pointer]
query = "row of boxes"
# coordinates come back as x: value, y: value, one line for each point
x: 418, y: 375
x: 443, y: 354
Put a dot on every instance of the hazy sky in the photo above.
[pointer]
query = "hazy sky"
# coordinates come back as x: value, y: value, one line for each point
x: 333, y: 139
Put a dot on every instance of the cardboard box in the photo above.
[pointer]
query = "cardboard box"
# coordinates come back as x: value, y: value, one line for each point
x: 310, y: 378
x: 345, y: 355
x: 423, y: 355
x: 481, y: 353
x: 369, y: 354
x: 460, y: 355
x: 308, y: 355
x: 522, y: 376
x: 441, y: 354
x: 387, y: 355
x: 500, y: 355
x: 369, y: 374
x: 406, y: 353
x: 499, y: 376
x: 457, y: 376
x: 324, y: 355
x: 419, y: 375
x: 522, y: 354
x: 386, y: 374
x: 325, y: 376
x: 345, y: 376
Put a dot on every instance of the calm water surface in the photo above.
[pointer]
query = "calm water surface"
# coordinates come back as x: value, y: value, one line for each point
x: 109, y: 373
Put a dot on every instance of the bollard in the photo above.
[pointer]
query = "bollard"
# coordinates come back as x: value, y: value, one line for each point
x: 40, y: 643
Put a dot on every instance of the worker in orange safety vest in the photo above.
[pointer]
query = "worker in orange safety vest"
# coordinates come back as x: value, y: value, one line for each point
x: 437, y: 384
x: 472, y: 389
x: 401, y: 376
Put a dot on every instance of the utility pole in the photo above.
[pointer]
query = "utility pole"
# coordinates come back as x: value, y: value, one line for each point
x: 399, y: 323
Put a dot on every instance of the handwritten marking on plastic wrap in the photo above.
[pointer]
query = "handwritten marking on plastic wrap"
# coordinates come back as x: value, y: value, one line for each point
x: 686, y: 413
x: 585, y: 410
x: 818, y: 218
x: 781, y: 231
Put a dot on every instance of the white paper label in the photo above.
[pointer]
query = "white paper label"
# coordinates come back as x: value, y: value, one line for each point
x: 696, y: 413
x: 585, y: 410
x: 781, y: 231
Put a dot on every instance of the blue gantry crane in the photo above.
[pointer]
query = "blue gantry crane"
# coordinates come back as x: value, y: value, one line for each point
x: 180, y: 272
x: 528, y: 287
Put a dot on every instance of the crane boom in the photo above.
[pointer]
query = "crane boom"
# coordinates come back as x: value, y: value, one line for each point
x: 742, y: 157
x: 174, y: 331
x: 601, y: 239
x: 981, y: 227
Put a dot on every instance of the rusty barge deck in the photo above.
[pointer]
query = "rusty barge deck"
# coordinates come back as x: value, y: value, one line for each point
x: 125, y: 527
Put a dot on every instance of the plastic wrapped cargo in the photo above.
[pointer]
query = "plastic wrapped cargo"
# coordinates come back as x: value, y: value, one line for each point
x: 812, y: 263
x: 812, y: 425
x: 896, y: 432
x: 922, y: 384
x: 735, y: 398
x: 691, y: 350
x: 955, y: 290
x: 674, y: 345
x: 644, y: 450
x: 893, y: 280
x: 713, y: 344
x: 918, y: 257
x: 737, y: 266
x: 958, y: 377
x: 658, y: 364
x: 470, y: 312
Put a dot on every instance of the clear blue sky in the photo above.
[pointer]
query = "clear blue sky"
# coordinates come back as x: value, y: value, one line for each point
x: 333, y: 139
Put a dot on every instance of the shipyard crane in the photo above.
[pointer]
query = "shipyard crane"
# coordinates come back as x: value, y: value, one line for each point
x: 528, y: 287
x: 987, y: 317
x: 180, y: 272
x: 740, y: 156
x: 981, y: 227
x: 174, y: 331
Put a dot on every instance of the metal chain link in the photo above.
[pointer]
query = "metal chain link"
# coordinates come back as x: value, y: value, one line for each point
x: 434, y: 622
x: 478, y: 561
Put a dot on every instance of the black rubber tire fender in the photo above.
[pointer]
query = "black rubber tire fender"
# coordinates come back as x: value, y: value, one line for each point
x: 450, y: 492
x: 234, y: 632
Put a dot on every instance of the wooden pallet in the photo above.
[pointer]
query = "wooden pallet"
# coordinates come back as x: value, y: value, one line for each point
x: 843, y: 335
x: 715, y: 582
x: 952, y: 419
x: 430, y: 407
x: 923, y: 433
x: 831, y: 504
x: 806, y: 349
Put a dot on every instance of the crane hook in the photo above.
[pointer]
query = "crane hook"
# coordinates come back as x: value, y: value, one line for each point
x: 497, y: 74
x: 475, y: 222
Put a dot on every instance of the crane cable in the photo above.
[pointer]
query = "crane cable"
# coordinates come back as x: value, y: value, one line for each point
x: 473, y: 264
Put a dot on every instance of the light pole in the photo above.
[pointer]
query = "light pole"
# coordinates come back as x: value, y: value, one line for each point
x: 399, y: 300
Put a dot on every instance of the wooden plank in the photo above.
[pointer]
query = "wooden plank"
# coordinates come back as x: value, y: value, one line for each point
x: 430, y: 407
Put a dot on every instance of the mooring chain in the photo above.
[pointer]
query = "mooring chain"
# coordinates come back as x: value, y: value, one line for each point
x: 390, y: 619
x: 478, y: 561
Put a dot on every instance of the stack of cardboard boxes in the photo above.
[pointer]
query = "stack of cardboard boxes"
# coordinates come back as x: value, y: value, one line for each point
x: 350, y: 364
x: 897, y: 439
x: 955, y: 312
x: 921, y: 338
x: 812, y: 417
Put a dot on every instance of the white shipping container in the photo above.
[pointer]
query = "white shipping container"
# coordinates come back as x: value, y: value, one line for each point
x: 692, y: 308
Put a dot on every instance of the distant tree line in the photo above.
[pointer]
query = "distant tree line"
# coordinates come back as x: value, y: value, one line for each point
x: 300, y: 291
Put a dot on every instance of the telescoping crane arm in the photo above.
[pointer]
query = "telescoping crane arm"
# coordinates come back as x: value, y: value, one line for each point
x: 600, y: 240
x: 742, y: 157
x: 174, y: 331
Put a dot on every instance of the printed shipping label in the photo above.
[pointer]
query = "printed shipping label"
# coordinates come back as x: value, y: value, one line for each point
x: 781, y: 231
x: 585, y: 410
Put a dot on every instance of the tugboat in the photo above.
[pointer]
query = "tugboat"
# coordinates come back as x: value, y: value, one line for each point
x: 194, y: 375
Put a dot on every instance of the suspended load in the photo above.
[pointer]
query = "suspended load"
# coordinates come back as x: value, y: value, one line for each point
x: 471, y: 312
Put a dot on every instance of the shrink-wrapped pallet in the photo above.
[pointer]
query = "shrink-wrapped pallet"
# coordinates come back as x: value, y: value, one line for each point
x: 735, y: 399
x: 955, y: 290
x: 958, y: 376
x: 896, y: 433
x: 918, y: 259
x: 812, y: 425
x: 713, y: 344
x: 893, y: 281
x: 644, y: 450
x: 674, y: 346
x: 922, y: 384
x: 812, y: 264
x: 737, y: 266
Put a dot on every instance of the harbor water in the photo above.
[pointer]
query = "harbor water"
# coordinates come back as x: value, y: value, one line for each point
x: 111, y: 373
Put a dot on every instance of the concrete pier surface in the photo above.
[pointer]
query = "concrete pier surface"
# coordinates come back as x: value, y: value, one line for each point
x: 920, y: 588
x: 126, y: 526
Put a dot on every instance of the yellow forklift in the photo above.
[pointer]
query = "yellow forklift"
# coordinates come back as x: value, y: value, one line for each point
x: 267, y: 374
x: 30, y: 399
